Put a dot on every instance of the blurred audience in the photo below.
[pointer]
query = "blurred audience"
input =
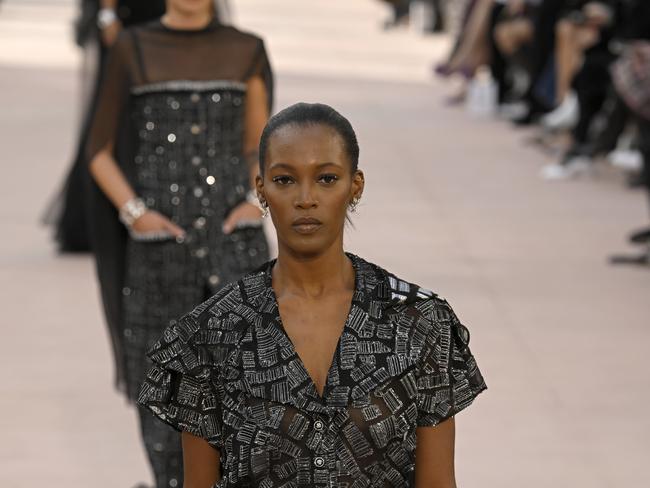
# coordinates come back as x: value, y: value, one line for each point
x: 579, y: 70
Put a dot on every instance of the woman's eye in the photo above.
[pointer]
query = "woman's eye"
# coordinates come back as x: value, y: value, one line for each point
x: 282, y: 180
x: 328, y: 179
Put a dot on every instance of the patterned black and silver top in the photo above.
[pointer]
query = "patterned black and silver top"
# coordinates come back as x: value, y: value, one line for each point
x: 228, y: 372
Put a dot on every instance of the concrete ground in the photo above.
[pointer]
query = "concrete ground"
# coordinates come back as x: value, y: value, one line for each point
x: 452, y: 202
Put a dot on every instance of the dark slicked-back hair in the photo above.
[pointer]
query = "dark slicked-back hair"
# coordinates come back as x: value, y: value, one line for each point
x: 306, y: 114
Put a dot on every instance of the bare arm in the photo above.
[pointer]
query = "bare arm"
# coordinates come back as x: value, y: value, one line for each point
x: 201, y: 463
x: 109, y: 33
x: 434, y: 456
x: 110, y: 178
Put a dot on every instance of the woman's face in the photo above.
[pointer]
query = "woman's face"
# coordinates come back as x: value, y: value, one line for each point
x: 190, y: 7
x: 308, y: 184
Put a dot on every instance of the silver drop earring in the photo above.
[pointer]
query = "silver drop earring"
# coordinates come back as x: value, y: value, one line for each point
x: 354, y: 203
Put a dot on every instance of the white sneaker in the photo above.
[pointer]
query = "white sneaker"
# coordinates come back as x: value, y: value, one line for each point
x: 574, y: 167
x: 626, y: 159
x: 565, y: 115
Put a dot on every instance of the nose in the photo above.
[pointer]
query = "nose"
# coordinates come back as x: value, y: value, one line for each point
x: 306, y: 198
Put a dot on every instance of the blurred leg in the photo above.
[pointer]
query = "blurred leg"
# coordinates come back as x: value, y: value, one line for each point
x: 473, y: 48
x: 644, y: 146
x: 617, y: 118
x: 571, y: 42
x: 511, y: 35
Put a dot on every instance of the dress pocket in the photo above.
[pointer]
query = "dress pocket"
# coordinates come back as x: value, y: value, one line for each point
x: 157, y: 236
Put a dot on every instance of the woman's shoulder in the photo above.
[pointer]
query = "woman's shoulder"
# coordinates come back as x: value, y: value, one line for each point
x: 402, y: 295
x: 241, y: 37
x: 418, y: 315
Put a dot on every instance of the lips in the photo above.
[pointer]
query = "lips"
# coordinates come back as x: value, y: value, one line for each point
x: 306, y: 225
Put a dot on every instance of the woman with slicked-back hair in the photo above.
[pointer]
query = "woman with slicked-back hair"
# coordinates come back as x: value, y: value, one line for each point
x: 320, y: 369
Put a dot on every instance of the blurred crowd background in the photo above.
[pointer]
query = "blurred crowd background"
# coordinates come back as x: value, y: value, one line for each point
x: 578, y: 70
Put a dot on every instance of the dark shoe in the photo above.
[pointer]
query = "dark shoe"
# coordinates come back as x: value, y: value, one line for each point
x: 640, y: 236
x: 529, y: 118
x: 639, y: 260
x: 445, y: 70
x: 635, y: 180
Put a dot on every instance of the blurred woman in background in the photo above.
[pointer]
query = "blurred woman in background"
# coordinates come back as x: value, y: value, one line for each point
x: 173, y: 148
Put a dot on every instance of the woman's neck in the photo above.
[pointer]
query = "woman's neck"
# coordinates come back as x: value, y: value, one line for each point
x: 313, y: 276
x: 175, y: 19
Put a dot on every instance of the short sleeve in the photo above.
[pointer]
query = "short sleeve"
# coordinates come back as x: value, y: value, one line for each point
x: 113, y: 95
x: 448, y: 378
x: 261, y: 66
x: 180, y: 389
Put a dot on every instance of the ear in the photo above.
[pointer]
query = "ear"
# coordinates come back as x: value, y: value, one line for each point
x: 358, y: 184
x: 259, y: 186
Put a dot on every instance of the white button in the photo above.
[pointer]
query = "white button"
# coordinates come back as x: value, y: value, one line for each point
x: 171, y: 137
x: 318, y: 425
x: 199, y: 223
x: 214, y: 280
x: 210, y: 180
x: 195, y: 129
x: 216, y: 98
x: 195, y: 97
x: 201, y: 253
x: 319, y: 462
x: 196, y: 160
x: 198, y: 192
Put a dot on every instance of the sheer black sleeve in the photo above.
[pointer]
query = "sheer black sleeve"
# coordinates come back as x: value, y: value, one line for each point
x: 261, y: 66
x: 448, y: 378
x: 113, y: 95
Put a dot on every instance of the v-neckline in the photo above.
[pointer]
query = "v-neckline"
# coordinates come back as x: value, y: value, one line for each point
x: 278, y: 319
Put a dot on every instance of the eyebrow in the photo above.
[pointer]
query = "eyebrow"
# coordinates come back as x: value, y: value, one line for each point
x: 290, y: 166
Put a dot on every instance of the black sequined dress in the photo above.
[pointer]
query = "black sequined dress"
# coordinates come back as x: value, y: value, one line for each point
x: 175, y: 102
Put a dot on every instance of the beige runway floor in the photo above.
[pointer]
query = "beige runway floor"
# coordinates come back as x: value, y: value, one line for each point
x: 452, y: 202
